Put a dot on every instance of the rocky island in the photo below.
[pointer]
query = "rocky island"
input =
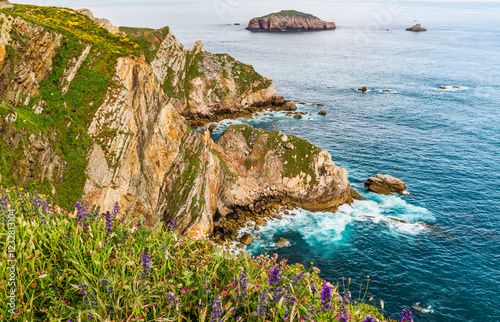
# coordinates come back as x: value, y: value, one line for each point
x: 288, y: 20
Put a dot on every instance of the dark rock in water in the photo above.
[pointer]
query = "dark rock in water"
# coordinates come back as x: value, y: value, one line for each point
x: 237, y: 24
x: 418, y: 308
x: 397, y: 220
x: 417, y: 27
x: 323, y: 112
x: 441, y: 87
x: 363, y: 89
x: 385, y: 184
x: 289, y: 114
x: 283, y: 242
x: 298, y: 115
x: 247, y: 239
x: 275, y: 121
x: 355, y: 195
x: 319, y: 105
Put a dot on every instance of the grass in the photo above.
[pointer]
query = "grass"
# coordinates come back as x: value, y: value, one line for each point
x: 289, y: 13
x: 86, y: 265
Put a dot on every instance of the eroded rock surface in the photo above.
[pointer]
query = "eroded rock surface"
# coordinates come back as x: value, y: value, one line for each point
x: 385, y: 184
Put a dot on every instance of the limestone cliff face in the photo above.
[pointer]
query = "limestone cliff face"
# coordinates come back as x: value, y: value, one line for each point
x: 271, y: 166
x: 86, y: 114
x: 289, y: 20
x: 31, y: 49
x: 208, y: 84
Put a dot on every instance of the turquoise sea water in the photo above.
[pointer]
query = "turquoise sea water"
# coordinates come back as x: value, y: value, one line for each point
x: 445, y: 144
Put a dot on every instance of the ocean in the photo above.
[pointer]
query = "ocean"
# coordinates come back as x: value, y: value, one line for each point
x: 444, y: 143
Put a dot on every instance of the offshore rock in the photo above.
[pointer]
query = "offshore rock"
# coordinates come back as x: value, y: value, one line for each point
x: 385, y: 184
x: 289, y: 20
x: 283, y: 242
x: 417, y: 27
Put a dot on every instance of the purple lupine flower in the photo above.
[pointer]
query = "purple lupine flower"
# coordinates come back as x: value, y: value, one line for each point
x: 345, y: 299
x: 108, y: 226
x: 369, y: 318
x: 262, y: 307
x: 146, y: 264
x: 406, y: 316
x: 88, y: 297
x: 82, y: 214
x: 313, y: 289
x: 216, y: 315
x: 326, y: 297
x: 241, y: 287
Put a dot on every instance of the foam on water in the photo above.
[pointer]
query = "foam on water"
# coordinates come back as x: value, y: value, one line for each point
x: 393, y: 213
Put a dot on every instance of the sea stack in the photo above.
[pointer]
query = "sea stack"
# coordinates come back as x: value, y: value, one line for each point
x: 417, y: 27
x: 289, y: 20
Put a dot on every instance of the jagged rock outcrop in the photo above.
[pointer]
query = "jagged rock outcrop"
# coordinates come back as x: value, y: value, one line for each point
x: 210, y: 85
x: 26, y: 53
x: 4, y: 4
x: 385, y: 184
x: 289, y: 20
x: 105, y: 23
x: 271, y: 166
x: 417, y: 27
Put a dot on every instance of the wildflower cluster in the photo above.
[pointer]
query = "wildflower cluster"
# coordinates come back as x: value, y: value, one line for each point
x: 406, y: 316
x: 154, y: 274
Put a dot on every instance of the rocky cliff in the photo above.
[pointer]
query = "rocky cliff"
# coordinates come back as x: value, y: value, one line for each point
x: 289, y: 20
x: 88, y: 114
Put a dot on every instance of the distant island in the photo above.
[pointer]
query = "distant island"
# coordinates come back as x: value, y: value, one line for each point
x: 417, y: 27
x: 289, y: 20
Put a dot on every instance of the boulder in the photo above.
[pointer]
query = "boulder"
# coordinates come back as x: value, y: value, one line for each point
x: 283, y: 242
x: 298, y: 115
x: 261, y: 222
x: 247, y: 239
x: 417, y: 27
x: 385, y: 184
x: 323, y: 112
x: 363, y: 89
x: 355, y: 195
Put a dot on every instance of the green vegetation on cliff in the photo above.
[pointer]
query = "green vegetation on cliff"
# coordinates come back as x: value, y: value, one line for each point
x: 149, y: 40
x: 66, y: 116
x: 297, y: 160
x: 288, y: 13
x: 85, y: 265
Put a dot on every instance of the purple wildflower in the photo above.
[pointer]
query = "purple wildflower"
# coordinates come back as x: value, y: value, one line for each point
x: 406, y: 316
